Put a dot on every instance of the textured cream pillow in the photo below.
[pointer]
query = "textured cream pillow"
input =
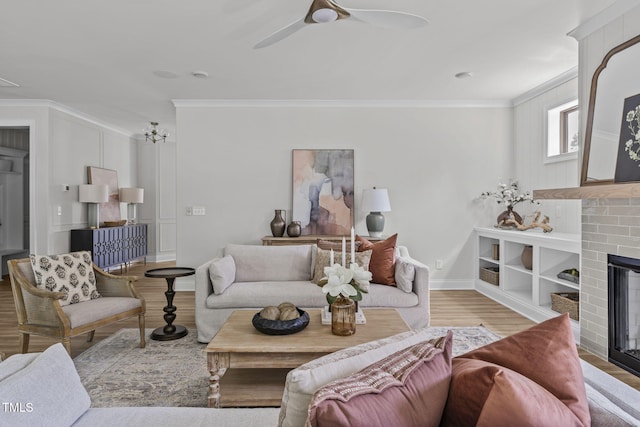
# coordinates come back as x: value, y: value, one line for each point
x: 223, y: 273
x: 405, y: 273
x: 323, y: 259
x: 70, y: 273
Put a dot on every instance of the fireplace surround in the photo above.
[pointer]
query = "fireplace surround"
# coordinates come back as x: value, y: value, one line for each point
x: 624, y: 312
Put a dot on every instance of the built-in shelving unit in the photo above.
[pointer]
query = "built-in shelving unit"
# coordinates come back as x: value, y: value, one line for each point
x: 526, y: 291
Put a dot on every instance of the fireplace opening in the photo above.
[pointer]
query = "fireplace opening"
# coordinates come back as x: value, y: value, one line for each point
x: 624, y: 312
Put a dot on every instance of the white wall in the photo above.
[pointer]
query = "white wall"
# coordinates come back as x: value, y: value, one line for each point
x: 236, y: 162
x: 530, y: 168
x: 62, y: 145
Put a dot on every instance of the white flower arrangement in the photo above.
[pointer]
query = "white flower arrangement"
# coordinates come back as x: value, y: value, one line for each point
x: 633, y: 123
x: 347, y: 282
x: 509, y: 194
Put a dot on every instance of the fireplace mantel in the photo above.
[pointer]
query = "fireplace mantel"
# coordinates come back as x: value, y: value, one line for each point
x: 606, y: 191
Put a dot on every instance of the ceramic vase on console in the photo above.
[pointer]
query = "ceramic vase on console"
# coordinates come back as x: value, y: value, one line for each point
x: 294, y: 229
x: 343, y: 316
x: 278, y: 224
x: 507, y: 215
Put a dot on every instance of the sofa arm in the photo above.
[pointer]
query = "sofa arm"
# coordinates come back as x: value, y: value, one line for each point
x: 203, y: 285
x: 421, y: 279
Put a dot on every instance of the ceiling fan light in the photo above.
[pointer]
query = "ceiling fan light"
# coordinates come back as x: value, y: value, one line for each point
x: 324, y: 15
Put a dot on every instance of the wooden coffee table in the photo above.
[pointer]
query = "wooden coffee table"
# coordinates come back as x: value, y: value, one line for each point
x: 248, y: 368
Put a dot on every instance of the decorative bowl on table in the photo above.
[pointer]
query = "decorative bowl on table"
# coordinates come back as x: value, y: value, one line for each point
x: 115, y: 223
x: 281, y: 327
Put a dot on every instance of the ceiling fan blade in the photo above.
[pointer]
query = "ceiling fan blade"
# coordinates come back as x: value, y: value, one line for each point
x: 388, y: 18
x: 280, y: 34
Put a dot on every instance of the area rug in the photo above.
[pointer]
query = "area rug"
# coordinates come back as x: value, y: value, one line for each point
x: 116, y: 372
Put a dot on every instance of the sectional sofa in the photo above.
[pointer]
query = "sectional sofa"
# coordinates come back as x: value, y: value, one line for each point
x: 43, y: 389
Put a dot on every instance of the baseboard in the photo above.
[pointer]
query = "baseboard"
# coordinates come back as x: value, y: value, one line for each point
x: 451, y: 285
x: 161, y: 257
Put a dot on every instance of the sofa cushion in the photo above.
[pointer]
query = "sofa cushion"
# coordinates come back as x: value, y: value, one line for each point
x: 405, y: 273
x: 306, y: 294
x: 45, y: 392
x: 222, y: 272
x: 545, y: 355
x: 392, y: 391
x: 256, y: 263
x: 70, y: 273
x: 382, y: 259
x: 323, y: 259
x: 303, y: 381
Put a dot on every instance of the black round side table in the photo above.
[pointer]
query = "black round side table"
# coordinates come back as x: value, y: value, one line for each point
x: 169, y: 331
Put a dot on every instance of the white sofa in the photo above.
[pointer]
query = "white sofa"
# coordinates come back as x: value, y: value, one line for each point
x: 252, y: 277
x: 33, y: 394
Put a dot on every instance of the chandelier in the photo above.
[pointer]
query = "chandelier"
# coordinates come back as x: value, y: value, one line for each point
x: 153, y: 134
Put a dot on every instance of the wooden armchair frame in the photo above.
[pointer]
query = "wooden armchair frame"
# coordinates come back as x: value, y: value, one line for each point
x: 40, y: 313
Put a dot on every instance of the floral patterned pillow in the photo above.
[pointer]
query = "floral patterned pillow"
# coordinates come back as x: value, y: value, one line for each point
x: 70, y: 273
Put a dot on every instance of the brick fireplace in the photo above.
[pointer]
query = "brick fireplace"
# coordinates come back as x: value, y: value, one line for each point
x: 609, y: 227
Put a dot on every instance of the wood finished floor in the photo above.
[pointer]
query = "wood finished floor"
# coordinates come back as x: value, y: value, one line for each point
x: 448, y: 308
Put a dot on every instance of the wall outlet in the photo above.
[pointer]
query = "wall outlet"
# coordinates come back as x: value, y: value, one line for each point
x: 189, y: 211
x: 558, y: 211
x: 439, y: 264
x: 199, y: 210
x: 59, y: 211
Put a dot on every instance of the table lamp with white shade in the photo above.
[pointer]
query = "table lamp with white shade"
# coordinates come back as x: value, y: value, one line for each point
x: 131, y: 196
x: 375, y: 200
x: 93, y: 194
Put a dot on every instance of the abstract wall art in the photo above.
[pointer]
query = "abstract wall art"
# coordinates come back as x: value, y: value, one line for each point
x: 109, y: 211
x: 323, y: 191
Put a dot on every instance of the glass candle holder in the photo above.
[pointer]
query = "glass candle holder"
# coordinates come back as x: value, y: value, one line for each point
x: 343, y: 316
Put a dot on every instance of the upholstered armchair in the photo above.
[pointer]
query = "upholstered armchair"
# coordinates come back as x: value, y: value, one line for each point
x: 40, y: 311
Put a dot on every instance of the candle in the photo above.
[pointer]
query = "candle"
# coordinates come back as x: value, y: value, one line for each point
x: 332, y: 262
x: 353, y: 247
x: 344, y: 252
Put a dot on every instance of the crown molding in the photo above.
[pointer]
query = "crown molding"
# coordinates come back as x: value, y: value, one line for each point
x: 547, y: 86
x: 64, y: 109
x: 343, y: 103
x: 601, y: 19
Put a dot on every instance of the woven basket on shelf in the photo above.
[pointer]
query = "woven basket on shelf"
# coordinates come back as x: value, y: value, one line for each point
x: 566, y: 302
x: 490, y: 275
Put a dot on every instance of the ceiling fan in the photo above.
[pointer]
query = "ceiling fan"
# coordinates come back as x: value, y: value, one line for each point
x: 324, y: 11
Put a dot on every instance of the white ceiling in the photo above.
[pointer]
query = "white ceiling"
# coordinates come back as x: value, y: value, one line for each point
x: 99, y: 57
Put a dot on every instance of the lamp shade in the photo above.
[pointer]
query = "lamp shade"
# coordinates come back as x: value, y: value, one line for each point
x: 90, y: 193
x: 375, y: 200
x: 132, y: 195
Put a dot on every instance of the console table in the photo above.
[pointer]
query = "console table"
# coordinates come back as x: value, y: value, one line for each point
x: 111, y: 246
x: 310, y: 239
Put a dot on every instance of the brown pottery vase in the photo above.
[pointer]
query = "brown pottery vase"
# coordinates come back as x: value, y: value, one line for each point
x: 507, y: 215
x: 294, y: 229
x: 278, y: 224
x: 527, y: 257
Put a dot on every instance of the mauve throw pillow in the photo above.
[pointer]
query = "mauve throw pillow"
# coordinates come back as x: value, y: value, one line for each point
x: 545, y: 354
x: 382, y: 259
x: 407, y: 388
x: 488, y: 395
